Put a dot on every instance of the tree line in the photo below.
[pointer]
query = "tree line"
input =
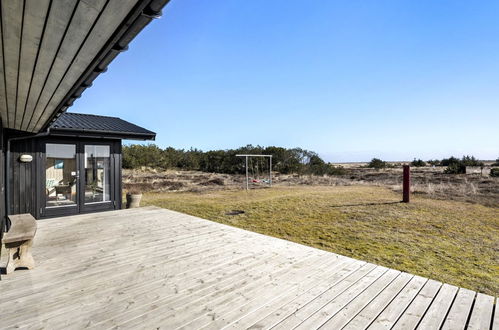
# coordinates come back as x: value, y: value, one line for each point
x: 453, y: 164
x: 284, y: 160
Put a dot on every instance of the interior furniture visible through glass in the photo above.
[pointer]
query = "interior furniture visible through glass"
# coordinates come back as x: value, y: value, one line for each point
x: 61, y: 175
x: 97, y: 173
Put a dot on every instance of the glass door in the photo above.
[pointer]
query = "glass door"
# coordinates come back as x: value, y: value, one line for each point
x: 96, y: 178
x: 78, y: 178
x: 61, y: 178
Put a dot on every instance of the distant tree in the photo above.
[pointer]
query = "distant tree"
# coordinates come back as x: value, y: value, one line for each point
x: 496, y: 163
x: 336, y: 170
x: 284, y: 160
x: 418, y: 163
x: 434, y: 162
x: 376, y: 163
x: 137, y: 155
x: 471, y: 161
x: 449, y: 161
x: 458, y: 166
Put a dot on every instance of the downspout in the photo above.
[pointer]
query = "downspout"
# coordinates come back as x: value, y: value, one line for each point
x: 7, y: 172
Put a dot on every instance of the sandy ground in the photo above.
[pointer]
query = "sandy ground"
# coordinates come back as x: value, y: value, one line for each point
x: 428, y: 181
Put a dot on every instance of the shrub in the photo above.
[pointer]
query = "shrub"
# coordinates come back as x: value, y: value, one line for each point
x: 455, y: 168
x: 434, y: 162
x: 471, y: 161
x: 449, y: 161
x: 458, y: 166
x: 336, y: 170
x: 496, y: 163
x: 376, y: 163
x: 494, y: 172
x: 418, y: 163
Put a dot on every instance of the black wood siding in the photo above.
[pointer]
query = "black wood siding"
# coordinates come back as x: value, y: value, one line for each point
x: 26, y: 179
x: 2, y: 181
x: 22, y: 178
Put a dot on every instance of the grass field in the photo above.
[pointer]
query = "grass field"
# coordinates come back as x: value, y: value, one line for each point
x: 450, y: 241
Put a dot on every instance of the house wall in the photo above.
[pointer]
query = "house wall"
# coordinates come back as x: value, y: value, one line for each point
x: 22, y: 178
x: 26, y: 185
x: 2, y: 181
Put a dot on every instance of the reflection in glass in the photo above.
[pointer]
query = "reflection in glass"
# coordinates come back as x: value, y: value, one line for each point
x: 60, y: 174
x: 97, y: 172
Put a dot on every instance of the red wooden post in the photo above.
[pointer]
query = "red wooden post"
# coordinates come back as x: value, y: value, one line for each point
x: 407, y: 184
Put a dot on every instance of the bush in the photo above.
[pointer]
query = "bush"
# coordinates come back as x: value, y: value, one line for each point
x: 458, y: 166
x: 376, y: 163
x: 494, y: 172
x: 336, y: 170
x: 418, y: 163
x: 496, y: 163
x: 449, y: 161
x: 455, y: 168
x: 434, y: 162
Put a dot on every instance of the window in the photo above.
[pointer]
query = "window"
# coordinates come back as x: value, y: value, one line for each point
x: 60, y: 175
x: 97, y: 173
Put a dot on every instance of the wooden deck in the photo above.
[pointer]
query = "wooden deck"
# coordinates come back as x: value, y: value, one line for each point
x: 153, y: 268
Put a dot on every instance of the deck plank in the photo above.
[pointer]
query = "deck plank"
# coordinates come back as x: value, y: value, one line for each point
x: 182, y: 310
x: 317, y: 319
x: 435, y: 315
x: 178, y: 271
x: 416, y: 310
x: 481, y: 315
x: 301, y: 282
x: 460, y: 310
x: 367, y: 315
x: 304, y: 312
x: 347, y: 313
x: 495, y: 322
x: 274, y: 317
x: 389, y: 316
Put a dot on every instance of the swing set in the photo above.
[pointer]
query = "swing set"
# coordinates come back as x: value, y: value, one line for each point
x: 250, y: 164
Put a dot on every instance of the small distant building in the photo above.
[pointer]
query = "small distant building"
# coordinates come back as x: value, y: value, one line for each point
x: 478, y: 170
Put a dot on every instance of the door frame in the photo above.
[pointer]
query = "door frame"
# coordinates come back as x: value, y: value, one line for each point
x: 80, y: 207
x: 98, y: 206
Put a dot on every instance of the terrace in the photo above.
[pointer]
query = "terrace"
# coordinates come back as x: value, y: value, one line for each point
x: 155, y: 268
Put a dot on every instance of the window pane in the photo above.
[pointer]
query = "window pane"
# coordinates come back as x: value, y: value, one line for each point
x: 60, y: 174
x: 97, y: 172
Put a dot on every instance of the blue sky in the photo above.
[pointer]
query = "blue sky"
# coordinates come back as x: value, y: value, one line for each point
x: 350, y: 79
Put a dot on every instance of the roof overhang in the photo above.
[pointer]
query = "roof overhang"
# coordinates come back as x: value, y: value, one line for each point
x: 102, y: 134
x: 51, y: 51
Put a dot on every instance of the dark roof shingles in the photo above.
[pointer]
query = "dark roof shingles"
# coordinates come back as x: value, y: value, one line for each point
x: 86, y: 122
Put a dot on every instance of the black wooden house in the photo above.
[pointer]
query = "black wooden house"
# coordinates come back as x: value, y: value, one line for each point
x: 73, y: 167
x: 52, y: 162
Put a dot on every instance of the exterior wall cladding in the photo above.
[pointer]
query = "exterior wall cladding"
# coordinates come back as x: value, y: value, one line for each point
x: 26, y: 180
x: 2, y: 181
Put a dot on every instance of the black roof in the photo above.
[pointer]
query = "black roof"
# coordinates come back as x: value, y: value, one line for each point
x: 70, y: 123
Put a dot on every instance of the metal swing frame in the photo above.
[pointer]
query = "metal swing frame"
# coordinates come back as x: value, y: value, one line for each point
x: 247, y: 156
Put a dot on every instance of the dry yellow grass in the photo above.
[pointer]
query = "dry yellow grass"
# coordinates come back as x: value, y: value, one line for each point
x: 450, y: 241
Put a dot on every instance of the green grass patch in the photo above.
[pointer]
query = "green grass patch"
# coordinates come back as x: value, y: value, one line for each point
x: 450, y: 241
